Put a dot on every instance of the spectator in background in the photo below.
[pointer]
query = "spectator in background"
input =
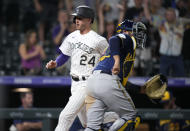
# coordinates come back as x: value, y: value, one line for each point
x: 135, y: 12
x: 109, y: 30
x: 154, y: 12
x: 110, y: 11
x: 186, y: 44
x: 46, y: 10
x: 28, y: 15
x: 171, y: 33
x: 12, y: 15
x: 185, y: 50
x: 27, y: 125
x: 181, y: 7
x: 60, y: 31
x: 168, y: 102
x: 31, y: 54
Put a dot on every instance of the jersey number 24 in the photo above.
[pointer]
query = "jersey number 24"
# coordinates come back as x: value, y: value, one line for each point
x: 84, y: 60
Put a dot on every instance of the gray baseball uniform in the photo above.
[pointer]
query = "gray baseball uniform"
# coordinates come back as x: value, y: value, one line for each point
x: 108, y: 89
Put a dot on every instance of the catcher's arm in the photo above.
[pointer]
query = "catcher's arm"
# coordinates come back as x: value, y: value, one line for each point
x: 135, y: 88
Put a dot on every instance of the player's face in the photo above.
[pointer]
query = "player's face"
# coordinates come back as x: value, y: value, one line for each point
x: 82, y: 23
x: 28, y: 100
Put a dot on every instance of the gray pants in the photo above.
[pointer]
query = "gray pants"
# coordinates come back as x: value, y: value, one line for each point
x: 109, y: 95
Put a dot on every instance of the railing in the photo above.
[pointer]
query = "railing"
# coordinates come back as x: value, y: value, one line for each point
x: 46, y: 114
x: 66, y: 81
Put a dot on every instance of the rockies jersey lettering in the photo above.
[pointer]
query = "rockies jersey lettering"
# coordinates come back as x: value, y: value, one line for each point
x: 82, y: 46
x: 84, y: 50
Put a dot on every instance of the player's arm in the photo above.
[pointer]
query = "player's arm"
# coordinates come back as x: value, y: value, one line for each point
x: 25, y: 126
x: 60, y: 60
x: 115, y: 52
x: 66, y: 50
x: 134, y: 88
x: 116, y: 66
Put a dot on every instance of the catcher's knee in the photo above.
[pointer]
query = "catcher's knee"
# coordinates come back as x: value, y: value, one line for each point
x: 125, y: 125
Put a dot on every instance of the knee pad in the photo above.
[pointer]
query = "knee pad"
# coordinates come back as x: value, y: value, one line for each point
x: 130, y: 125
x: 137, y: 121
x: 127, y: 126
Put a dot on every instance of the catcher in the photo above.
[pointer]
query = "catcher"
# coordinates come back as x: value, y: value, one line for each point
x: 106, y: 90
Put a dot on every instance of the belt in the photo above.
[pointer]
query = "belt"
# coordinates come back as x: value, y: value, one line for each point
x: 106, y: 72
x: 76, y: 78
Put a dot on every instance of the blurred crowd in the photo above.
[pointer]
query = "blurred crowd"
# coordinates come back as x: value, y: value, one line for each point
x: 31, y: 32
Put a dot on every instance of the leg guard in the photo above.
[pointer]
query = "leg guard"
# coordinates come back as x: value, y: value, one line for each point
x: 125, y: 125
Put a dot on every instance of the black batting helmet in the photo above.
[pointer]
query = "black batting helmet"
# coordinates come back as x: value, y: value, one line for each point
x: 84, y: 12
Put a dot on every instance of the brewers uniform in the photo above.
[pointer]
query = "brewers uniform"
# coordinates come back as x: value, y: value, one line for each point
x: 84, y: 51
x: 108, y: 89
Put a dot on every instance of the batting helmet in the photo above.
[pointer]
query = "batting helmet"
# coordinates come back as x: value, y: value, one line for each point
x: 84, y: 12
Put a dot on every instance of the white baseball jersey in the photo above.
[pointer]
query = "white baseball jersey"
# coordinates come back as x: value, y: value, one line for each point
x: 85, y: 51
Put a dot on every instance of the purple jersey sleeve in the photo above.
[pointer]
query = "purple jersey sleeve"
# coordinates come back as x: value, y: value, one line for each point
x: 61, y: 59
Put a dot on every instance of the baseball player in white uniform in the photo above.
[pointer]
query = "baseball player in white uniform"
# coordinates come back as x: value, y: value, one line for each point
x: 84, y: 47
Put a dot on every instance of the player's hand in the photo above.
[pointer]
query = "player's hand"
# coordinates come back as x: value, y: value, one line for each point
x: 116, y: 69
x: 51, y: 64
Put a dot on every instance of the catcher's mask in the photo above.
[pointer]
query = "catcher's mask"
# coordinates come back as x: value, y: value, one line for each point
x: 83, y: 11
x: 137, y: 28
x: 139, y: 32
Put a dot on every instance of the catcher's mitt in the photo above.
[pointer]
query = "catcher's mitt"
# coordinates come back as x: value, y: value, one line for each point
x: 156, y: 86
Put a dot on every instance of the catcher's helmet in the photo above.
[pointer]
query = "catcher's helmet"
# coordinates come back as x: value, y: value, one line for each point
x: 84, y: 12
x: 137, y: 28
x: 126, y: 25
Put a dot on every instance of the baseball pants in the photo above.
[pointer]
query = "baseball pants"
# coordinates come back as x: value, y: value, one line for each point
x: 74, y: 107
x: 110, y: 96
